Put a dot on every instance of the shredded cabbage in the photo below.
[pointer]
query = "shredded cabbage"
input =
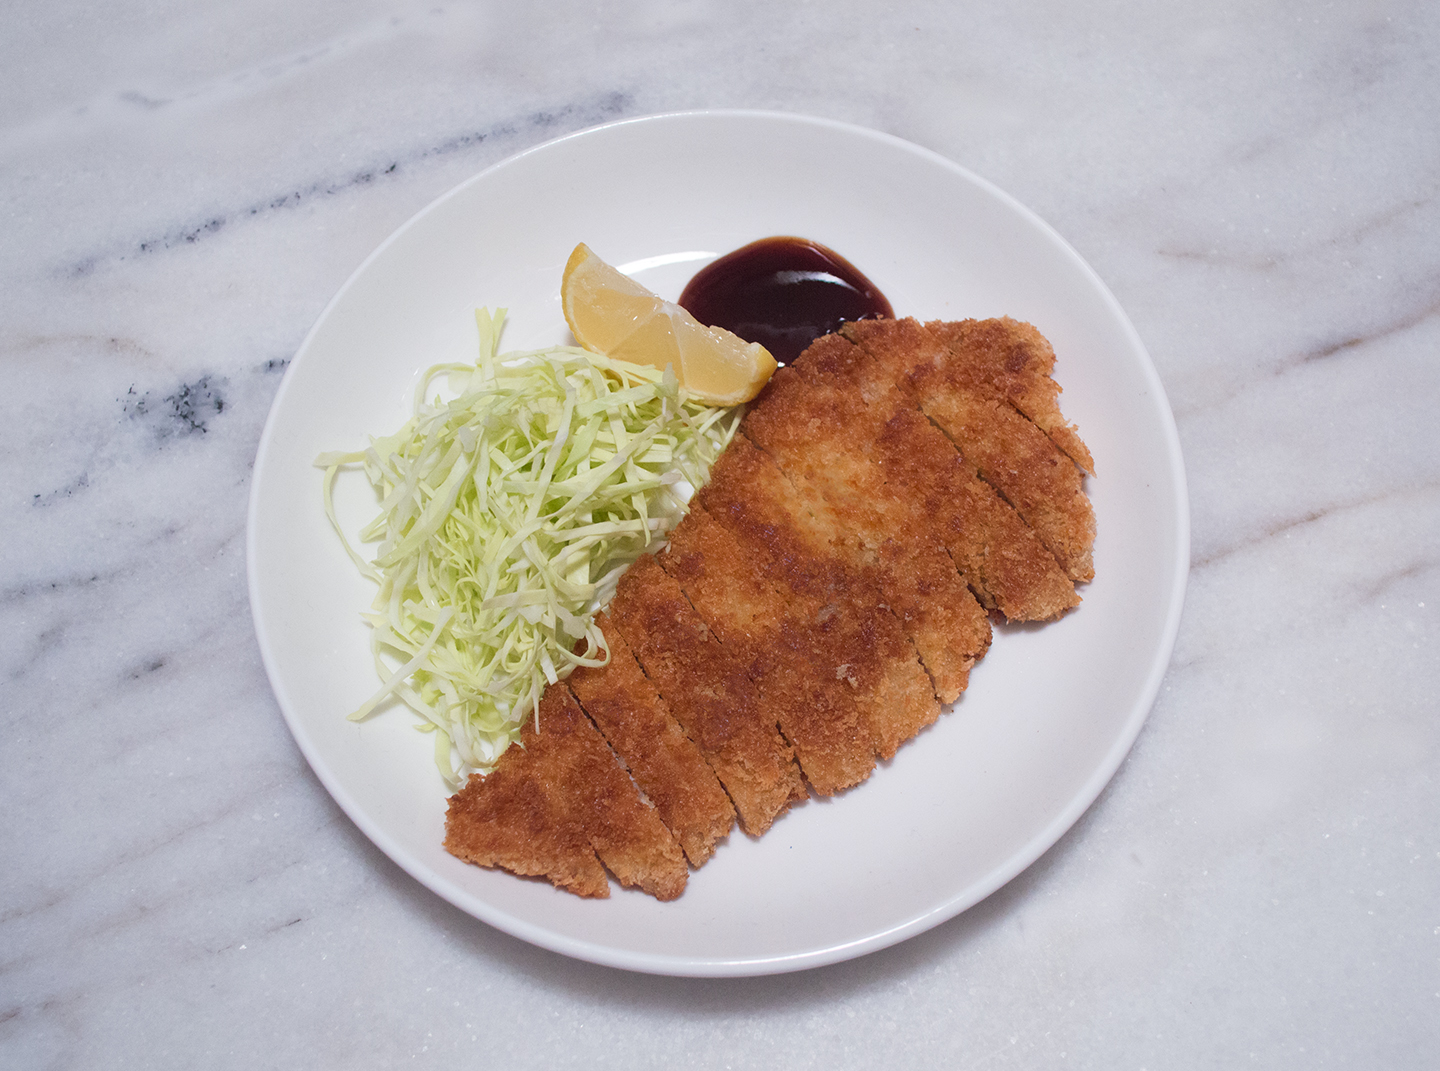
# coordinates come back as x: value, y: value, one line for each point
x: 508, y: 513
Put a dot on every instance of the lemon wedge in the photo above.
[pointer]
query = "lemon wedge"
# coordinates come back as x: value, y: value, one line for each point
x: 610, y: 313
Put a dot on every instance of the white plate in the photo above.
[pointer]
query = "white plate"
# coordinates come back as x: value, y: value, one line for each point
x: 1051, y: 711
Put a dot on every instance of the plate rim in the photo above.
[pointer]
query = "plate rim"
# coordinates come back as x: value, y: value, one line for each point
x: 719, y: 966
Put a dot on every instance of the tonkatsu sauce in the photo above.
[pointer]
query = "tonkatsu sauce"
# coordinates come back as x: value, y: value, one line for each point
x: 783, y: 293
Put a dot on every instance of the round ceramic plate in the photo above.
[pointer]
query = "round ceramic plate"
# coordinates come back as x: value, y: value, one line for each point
x: 1050, y: 712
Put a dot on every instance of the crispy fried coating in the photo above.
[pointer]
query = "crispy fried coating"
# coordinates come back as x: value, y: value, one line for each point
x: 1006, y: 564
x: 513, y: 819
x: 1014, y: 361
x: 664, y: 762
x: 903, y: 479
x: 1009, y: 452
x: 821, y: 434
x: 803, y: 550
x: 781, y: 648
x: 560, y: 801
x: 709, y: 693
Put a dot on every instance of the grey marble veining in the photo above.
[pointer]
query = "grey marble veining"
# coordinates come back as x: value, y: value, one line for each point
x: 183, y: 187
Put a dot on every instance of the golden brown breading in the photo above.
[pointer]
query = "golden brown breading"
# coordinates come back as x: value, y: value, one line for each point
x: 624, y: 829
x: 512, y: 818
x: 774, y: 639
x: 1012, y: 359
x: 803, y: 551
x: 559, y: 802
x: 1009, y: 452
x: 1007, y: 566
x: 838, y: 421
x: 708, y: 692
x: 822, y: 437
x: 665, y: 763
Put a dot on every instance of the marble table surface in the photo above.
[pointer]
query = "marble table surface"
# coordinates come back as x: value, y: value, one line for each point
x: 183, y: 187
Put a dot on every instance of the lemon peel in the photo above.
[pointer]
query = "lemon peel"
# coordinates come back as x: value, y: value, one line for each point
x: 610, y: 313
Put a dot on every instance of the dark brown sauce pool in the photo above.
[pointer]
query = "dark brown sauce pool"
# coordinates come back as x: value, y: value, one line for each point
x: 783, y: 293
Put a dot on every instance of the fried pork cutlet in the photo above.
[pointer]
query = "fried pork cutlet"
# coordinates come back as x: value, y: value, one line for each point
x: 835, y: 421
x: 560, y: 801
x: 1007, y: 566
x: 1009, y: 452
x: 664, y: 762
x: 781, y: 648
x: 823, y: 440
x: 916, y: 579
x: 829, y: 583
x: 803, y: 552
x: 1014, y: 361
x: 709, y: 693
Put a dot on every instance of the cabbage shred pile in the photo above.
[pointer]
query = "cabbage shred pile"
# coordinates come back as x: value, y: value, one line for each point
x: 508, y: 513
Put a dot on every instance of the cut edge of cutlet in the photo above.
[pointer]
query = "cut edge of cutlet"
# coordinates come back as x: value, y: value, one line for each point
x: 1016, y: 361
x: 1003, y: 561
x: 754, y: 763
x: 1006, y: 565
x: 772, y: 639
x: 509, y: 819
x: 562, y: 787
x: 1007, y: 450
x: 624, y: 828
x: 664, y: 762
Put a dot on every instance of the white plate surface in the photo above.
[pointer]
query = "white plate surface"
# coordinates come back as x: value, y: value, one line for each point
x: 1050, y: 712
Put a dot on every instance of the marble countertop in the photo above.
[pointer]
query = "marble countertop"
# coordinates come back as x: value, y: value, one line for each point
x: 184, y: 187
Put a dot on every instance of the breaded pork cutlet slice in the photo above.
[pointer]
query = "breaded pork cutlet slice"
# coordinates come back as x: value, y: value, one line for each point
x: 837, y: 420
x: 917, y: 580
x: 558, y: 797
x: 774, y: 639
x: 1007, y: 566
x: 665, y: 763
x: 1014, y: 361
x: 819, y: 432
x: 515, y: 819
x: 708, y: 692
x: 811, y: 562
x: 1008, y: 451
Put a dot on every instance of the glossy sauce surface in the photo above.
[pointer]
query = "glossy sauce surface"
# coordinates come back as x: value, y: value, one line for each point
x: 783, y: 293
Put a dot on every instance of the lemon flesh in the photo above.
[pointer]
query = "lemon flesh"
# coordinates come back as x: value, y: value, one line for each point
x: 610, y: 313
